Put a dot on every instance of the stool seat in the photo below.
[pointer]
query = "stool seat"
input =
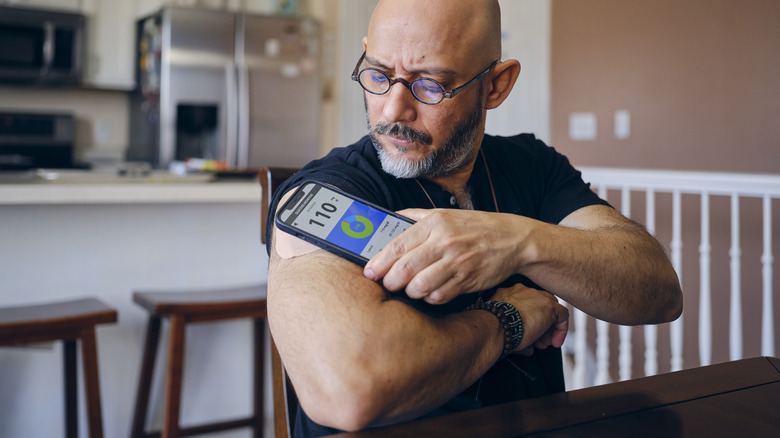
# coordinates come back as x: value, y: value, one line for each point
x: 67, y: 321
x: 52, y: 321
x: 205, y: 305
x: 182, y: 308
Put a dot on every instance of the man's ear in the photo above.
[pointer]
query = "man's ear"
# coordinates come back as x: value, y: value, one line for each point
x: 504, y: 76
x: 365, y: 42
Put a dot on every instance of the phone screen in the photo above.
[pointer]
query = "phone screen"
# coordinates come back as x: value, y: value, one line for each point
x: 339, y: 220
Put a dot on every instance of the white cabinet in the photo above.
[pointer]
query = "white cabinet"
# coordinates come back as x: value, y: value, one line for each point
x: 260, y: 6
x: 62, y: 5
x: 110, y: 52
x: 148, y: 7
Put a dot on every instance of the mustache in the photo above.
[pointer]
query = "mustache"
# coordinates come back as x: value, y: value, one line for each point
x: 403, y: 132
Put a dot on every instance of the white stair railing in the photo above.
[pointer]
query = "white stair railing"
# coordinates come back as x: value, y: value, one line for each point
x: 705, y: 185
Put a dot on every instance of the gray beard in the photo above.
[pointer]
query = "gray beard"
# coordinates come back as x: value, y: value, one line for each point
x: 457, y: 151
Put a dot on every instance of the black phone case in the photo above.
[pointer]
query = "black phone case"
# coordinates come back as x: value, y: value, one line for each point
x: 324, y: 244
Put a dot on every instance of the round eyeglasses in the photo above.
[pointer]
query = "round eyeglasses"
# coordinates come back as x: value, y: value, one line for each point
x: 425, y: 90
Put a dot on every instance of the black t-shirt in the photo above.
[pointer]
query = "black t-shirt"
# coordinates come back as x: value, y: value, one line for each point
x: 528, y: 177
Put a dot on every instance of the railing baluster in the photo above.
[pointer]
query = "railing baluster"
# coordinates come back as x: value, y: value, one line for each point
x: 735, y: 253
x: 651, y: 331
x: 705, y: 305
x: 767, y: 318
x: 706, y: 184
x: 580, y: 349
x: 676, y: 327
x: 602, y: 353
x: 624, y: 357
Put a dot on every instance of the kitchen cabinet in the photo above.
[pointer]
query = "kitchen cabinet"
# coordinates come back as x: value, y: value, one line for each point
x: 110, y: 54
x: 110, y: 35
x: 147, y: 7
x: 61, y: 5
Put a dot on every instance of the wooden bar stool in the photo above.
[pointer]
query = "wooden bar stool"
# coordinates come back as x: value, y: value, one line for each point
x: 183, y: 308
x: 66, y: 321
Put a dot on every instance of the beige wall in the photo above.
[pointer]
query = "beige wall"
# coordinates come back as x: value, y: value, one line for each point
x: 101, y: 116
x: 700, y: 80
x: 699, y: 77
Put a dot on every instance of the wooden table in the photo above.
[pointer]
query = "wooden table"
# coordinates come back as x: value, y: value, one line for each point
x: 740, y: 398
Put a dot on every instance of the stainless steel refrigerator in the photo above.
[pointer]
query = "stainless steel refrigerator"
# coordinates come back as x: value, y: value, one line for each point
x: 219, y: 85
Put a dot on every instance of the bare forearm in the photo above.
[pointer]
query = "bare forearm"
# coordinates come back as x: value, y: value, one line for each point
x: 616, y: 273
x: 345, y: 345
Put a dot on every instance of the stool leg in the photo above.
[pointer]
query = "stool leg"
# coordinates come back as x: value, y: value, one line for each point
x: 259, y: 377
x: 145, y: 379
x: 173, y: 378
x: 91, y: 382
x: 70, y: 379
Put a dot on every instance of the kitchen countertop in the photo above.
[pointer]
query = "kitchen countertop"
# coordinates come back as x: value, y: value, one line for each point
x: 96, y: 188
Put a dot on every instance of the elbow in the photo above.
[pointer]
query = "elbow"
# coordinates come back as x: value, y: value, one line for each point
x: 674, y: 295
x: 345, y: 395
x: 346, y: 417
x: 675, y: 308
x: 671, y: 304
x: 341, y: 403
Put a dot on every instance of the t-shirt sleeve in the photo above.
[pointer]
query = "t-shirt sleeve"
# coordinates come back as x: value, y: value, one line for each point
x: 563, y: 191
x: 344, y: 170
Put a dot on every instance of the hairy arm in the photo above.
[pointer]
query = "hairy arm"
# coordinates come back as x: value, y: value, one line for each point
x: 608, y: 266
x: 595, y: 259
x: 357, y: 358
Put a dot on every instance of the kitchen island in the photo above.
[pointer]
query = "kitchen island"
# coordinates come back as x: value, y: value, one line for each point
x: 60, y: 241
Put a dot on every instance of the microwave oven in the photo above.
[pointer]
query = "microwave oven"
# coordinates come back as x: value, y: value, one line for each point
x: 40, y: 47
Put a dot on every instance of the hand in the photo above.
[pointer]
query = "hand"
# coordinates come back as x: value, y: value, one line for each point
x: 545, y: 321
x: 448, y: 253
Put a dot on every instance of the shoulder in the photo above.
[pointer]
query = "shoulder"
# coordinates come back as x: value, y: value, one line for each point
x: 348, y: 168
x: 517, y: 145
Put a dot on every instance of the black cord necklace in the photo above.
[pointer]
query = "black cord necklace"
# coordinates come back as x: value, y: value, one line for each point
x: 490, y: 181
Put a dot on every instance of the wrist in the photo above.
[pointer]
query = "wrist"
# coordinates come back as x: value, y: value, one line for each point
x: 526, y: 243
x: 508, y: 318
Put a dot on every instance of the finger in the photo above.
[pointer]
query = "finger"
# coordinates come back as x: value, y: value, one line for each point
x: 380, y: 264
x: 559, y: 335
x: 410, y: 268
x: 447, y: 284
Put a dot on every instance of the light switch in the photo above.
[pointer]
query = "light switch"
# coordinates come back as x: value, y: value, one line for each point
x: 102, y: 131
x: 582, y: 126
x: 622, y: 124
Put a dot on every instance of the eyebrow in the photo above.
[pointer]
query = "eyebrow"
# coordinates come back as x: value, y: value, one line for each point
x: 432, y: 71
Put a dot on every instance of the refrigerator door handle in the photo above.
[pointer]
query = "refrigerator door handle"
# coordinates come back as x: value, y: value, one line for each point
x: 244, y: 119
x: 231, y: 116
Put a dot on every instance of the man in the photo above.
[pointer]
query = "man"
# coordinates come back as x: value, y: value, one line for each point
x: 430, y: 325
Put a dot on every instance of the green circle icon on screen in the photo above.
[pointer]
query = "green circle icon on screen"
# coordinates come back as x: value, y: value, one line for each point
x: 358, y: 227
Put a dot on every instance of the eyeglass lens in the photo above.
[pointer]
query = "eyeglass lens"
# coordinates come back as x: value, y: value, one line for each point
x: 424, y: 89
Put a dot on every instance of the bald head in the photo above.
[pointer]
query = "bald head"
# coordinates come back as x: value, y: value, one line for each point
x: 461, y: 31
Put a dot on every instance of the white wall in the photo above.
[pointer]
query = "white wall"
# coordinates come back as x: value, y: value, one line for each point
x: 526, y: 37
x: 526, y: 34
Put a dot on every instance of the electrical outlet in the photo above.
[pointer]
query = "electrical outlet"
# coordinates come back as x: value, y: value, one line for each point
x: 582, y: 126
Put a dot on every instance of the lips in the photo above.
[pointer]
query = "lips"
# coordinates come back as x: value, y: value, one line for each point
x: 401, y: 143
x: 402, y: 136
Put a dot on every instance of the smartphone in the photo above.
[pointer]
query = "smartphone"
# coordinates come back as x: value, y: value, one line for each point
x: 339, y: 222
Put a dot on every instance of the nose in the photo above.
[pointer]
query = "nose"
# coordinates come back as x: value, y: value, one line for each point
x: 398, y: 104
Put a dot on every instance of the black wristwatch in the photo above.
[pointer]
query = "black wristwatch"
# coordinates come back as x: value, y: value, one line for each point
x: 508, y: 317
